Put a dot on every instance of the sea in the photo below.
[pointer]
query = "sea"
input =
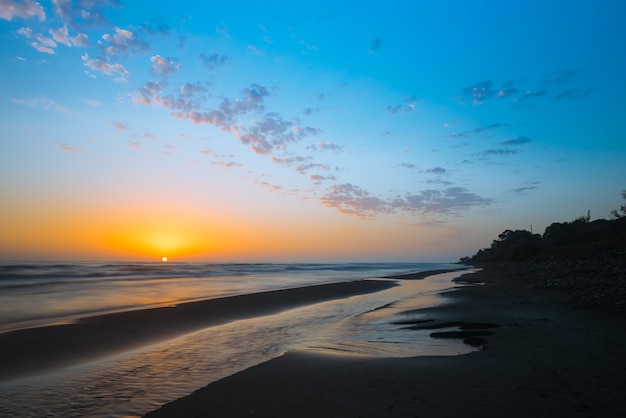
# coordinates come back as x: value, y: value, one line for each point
x: 136, y: 382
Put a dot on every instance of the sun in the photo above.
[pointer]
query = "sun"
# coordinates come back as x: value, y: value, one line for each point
x: 164, y: 259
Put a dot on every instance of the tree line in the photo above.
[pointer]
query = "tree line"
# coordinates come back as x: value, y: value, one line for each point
x: 579, y: 236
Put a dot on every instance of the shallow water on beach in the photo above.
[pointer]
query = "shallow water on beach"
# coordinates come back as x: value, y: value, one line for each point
x: 34, y: 294
x: 137, y: 382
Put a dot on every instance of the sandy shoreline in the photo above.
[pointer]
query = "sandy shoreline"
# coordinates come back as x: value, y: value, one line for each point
x: 548, y: 358
x: 36, y: 350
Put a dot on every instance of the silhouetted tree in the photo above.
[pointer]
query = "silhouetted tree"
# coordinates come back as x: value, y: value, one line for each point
x: 616, y: 213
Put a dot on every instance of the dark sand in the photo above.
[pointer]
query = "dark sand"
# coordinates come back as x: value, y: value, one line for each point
x: 549, y: 358
x: 37, y: 350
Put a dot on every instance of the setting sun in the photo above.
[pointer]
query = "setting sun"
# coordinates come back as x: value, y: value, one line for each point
x: 164, y: 259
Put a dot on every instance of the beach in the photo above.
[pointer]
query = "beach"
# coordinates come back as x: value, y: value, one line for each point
x: 546, y: 355
x: 41, y: 349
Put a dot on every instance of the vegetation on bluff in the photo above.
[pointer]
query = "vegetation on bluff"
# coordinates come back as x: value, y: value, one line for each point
x: 580, y: 236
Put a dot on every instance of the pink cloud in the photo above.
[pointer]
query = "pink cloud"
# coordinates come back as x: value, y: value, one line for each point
x: 24, y: 9
x: 41, y: 102
x: 40, y: 43
x: 103, y: 65
x: 163, y: 66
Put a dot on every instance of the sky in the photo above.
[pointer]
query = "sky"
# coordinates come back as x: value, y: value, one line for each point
x: 278, y: 131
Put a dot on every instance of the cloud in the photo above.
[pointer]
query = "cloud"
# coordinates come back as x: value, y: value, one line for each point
x: 191, y: 89
x: 452, y: 200
x: 80, y: 40
x: 255, y: 50
x: 163, y: 66
x: 41, y: 102
x: 155, y: 28
x: 228, y: 112
x: 350, y: 199
x: 137, y: 146
x: 214, y: 60
x: 523, y: 190
x: 520, y: 140
x: 271, y: 133
x: 93, y: 103
x: 573, y: 94
x: 88, y: 13
x: 478, y: 130
x: 407, y: 106
x: 61, y: 35
x: 324, y: 146
x: 122, y: 42
x: 41, y: 43
x: 490, y: 127
x: 307, y: 47
x: 318, y: 179
x: 103, y: 65
x: 560, y: 77
x: 437, y: 170
x: 375, y: 46
x: 66, y: 148
x: 531, y: 186
x: 529, y: 94
x: 229, y: 164
x: 494, y: 152
x: 24, y: 9
x: 479, y: 92
x: 507, y: 90
x: 149, y: 92
x: 120, y: 126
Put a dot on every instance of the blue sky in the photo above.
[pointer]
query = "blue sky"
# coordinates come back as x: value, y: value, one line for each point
x: 397, y: 130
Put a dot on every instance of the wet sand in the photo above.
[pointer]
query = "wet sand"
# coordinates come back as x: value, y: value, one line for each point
x: 37, y: 350
x: 548, y: 358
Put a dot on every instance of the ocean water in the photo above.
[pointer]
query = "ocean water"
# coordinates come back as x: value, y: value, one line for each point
x: 136, y: 382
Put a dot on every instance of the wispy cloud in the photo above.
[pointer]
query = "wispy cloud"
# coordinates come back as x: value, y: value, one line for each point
x: 478, y: 130
x: 436, y: 170
x: 573, y: 94
x: 479, y: 92
x: 84, y: 13
x: 66, y: 148
x: 482, y: 91
x: 408, y: 105
x: 353, y: 200
x: 499, y: 152
x: 137, y: 146
x: 214, y: 60
x: 560, y: 77
x: 520, y: 140
x: 41, y: 102
x: 24, y: 9
x: 507, y: 90
x: 120, y: 126
x: 324, y: 146
x: 226, y: 164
